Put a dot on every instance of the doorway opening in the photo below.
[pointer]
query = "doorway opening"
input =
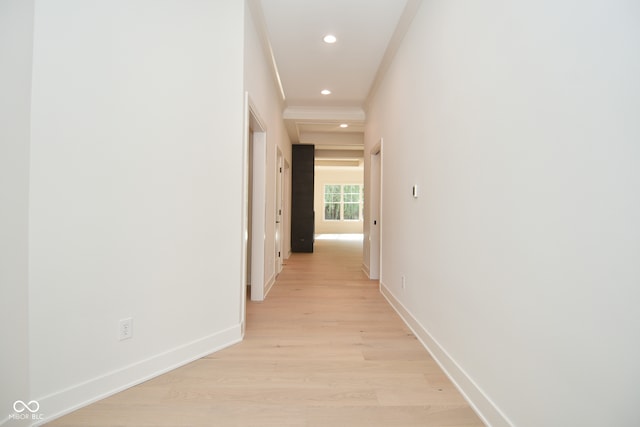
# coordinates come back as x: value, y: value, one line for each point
x: 255, y: 157
x: 338, y: 195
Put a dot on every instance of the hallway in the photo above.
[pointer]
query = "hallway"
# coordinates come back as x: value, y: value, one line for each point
x: 324, y: 349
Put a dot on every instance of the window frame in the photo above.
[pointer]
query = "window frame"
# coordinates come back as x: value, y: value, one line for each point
x: 342, y: 202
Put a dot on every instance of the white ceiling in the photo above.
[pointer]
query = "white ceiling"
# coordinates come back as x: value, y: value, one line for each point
x: 368, y: 33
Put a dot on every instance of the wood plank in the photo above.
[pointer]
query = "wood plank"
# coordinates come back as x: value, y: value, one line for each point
x: 325, y: 348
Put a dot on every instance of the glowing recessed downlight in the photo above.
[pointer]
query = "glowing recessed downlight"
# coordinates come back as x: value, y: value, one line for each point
x: 325, y: 92
x: 330, y: 38
x: 344, y: 125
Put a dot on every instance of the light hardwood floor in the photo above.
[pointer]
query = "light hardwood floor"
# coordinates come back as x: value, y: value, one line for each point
x: 324, y: 349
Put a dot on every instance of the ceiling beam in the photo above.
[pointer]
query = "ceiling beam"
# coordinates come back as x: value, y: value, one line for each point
x: 326, y: 138
x: 334, y: 114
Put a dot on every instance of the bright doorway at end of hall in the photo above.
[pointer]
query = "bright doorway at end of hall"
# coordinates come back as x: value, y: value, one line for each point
x: 338, y: 198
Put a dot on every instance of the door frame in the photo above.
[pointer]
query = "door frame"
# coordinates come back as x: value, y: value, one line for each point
x: 375, y: 212
x: 255, y: 134
x: 278, y: 240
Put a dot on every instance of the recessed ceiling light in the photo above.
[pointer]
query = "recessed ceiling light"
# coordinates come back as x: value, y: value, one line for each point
x: 344, y: 125
x: 325, y: 92
x: 330, y: 38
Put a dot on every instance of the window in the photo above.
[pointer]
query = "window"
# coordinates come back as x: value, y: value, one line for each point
x: 332, y: 199
x: 343, y: 202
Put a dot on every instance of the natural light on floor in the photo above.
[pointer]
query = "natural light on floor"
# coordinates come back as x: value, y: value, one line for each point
x: 359, y: 236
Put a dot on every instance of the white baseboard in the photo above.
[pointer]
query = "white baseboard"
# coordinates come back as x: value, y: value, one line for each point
x: 68, y: 400
x: 484, y: 407
x: 269, y: 285
x: 365, y: 268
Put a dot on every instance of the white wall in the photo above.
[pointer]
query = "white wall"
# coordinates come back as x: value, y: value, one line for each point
x: 137, y: 118
x: 259, y: 83
x: 16, y: 31
x: 519, y: 122
x: 334, y: 175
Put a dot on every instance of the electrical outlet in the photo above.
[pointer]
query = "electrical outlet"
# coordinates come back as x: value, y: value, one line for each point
x: 125, y: 329
x: 404, y: 283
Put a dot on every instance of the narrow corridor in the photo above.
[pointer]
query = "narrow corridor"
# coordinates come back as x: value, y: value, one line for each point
x: 324, y: 349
